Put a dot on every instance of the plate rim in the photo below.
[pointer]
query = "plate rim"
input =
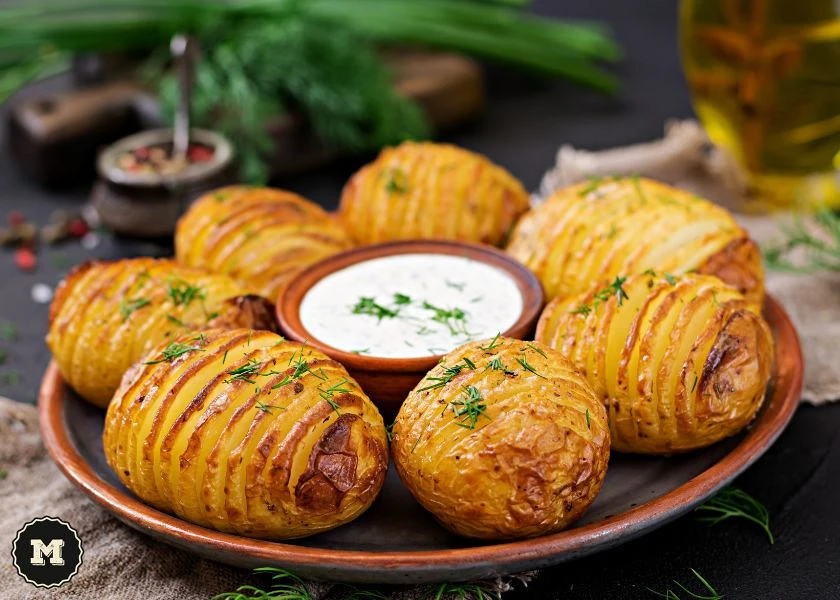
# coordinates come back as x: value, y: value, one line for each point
x: 576, y: 541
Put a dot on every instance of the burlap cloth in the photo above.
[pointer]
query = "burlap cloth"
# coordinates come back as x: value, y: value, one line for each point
x: 121, y: 564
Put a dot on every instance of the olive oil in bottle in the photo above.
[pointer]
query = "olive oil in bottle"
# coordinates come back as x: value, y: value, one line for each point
x: 765, y: 81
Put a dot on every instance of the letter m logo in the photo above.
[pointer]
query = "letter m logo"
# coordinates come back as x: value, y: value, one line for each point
x: 40, y: 550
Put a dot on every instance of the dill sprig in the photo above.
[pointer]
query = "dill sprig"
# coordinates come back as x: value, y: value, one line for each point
x: 537, y: 350
x: 401, y: 299
x: 463, y: 591
x: 493, y: 343
x: 818, y: 241
x: 173, y: 351
x: 284, y: 586
x: 670, y: 594
x: 449, y: 373
x: 327, y: 394
x: 129, y: 305
x: 389, y: 430
x: 455, y: 319
x: 182, y: 293
x: 523, y: 362
x: 468, y: 407
x: 583, y: 309
x: 732, y: 502
x: 396, y: 182
x: 267, y: 408
x: 495, y: 364
x: 245, y: 373
x: 616, y: 288
x: 369, y: 306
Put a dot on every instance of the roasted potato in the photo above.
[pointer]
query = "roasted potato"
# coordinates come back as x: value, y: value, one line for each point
x: 431, y: 191
x: 680, y: 361
x: 597, y: 230
x: 105, y: 315
x: 503, y: 439
x: 244, y: 432
x: 260, y: 236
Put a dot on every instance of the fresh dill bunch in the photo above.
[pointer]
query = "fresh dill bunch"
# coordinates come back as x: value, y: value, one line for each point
x: 336, y: 80
x: 732, y: 502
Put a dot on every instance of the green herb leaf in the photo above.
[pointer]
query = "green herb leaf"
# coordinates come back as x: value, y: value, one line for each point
x: 469, y: 407
x: 670, y: 594
x: 523, y: 362
x: 369, y: 306
x: 128, y: 306
x: 173, y: 351
x: 492, y: 344
x: 183, y: 293
x: 267, y: 408
x: 731, y: 503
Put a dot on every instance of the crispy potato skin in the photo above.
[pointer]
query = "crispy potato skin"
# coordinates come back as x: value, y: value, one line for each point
x: 95, y: 335
x: 260, y: 236
x: 237, y: 454
x: 678, y: 365
x: 593, y: 232
x: 535, y: 459
x: 431, y: 191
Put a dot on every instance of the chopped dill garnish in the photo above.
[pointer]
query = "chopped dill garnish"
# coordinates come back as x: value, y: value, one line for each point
x: 287, y: 379
x: 369, y: 306
x: 637, y: 183
x: 457, y: 285
x: 615, y: 288
x: 650, y: 272
x: 670, y: 594
x: 176, y: 320
x: 424, y: 331
x: 396, y: 182
x: 129, y: 305
x: 245, y: 372
x: 449, y: 373
x: 476, y: 299
x: 453, y: 318
x: 361, y: 351
x: 537, y: 350
x: 200, y: 338
x: 694, y: 385
x: 389, y: 430
x: 583, y: 309
x: 469, y: 363
x: 469, y: 407
x: 142, y: 278
x: 492, y: 344
x: 588, y: 425
x: 670, y: 279
x: 496, y: 365
x: 401, y: 299
x: 594, y: 183
x: 182, y: 293
x: 224, y: 358
x: 527, y: 366
x: 173, y: 351
x: 732, y: 502
x: 266, y: 408
x: 327, y: 394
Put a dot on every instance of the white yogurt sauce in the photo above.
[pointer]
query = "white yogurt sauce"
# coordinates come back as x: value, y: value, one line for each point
x: 410, y: 305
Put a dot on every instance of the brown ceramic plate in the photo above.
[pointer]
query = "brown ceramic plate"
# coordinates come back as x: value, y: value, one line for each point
x: 396, y: 541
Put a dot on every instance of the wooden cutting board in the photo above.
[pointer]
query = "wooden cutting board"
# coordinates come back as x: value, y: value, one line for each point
x: 55, y: 138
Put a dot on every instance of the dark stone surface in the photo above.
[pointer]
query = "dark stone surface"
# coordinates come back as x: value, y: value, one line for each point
x: 524, y: 124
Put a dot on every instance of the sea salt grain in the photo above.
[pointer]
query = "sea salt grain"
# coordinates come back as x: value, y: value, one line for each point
x: 41, y: 293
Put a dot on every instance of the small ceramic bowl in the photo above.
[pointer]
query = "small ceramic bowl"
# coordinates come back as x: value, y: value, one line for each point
x: 388, y: 380
x: 147, y: 204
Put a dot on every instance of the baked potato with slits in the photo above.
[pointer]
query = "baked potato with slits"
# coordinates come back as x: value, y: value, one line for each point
x: 680, y: 362
x: 260, y: 236
x: 245, y: 432
x: 613, y: 226
x: 105, y: 315
x: 503, y: 439
x: 431, y: 191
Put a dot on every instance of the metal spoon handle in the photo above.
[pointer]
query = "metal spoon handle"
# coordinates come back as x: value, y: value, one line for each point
x: 181, y: 52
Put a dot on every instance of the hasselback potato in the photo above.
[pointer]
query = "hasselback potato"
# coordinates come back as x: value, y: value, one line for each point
x: 613, y: 226
x: 680, y: 362
x: 431, y: 191
x: 503, y: 439
x: 244, y: 432
x: 260, y: 236
x: 105, y: 315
